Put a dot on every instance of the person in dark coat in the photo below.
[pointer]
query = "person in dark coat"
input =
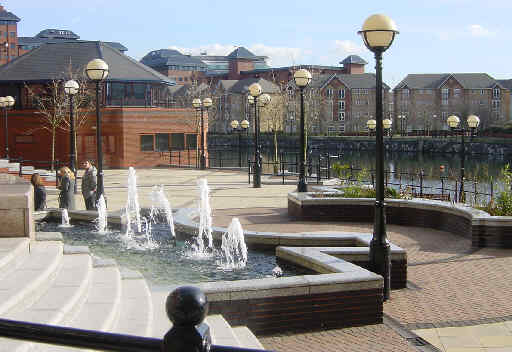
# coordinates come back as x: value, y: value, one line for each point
x: 89, y: 185
x: 39, y: 192
x: 66, y: 186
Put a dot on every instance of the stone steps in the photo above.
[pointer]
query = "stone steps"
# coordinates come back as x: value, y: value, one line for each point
x: 49, y: 283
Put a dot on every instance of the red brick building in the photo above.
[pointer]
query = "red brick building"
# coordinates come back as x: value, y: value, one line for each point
x: 8, y: 36
x: 138, y: 127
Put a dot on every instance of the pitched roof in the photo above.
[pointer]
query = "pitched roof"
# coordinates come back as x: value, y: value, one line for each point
x: 8, y: 16
x: 37, y: 41
x: 242, y: 86
x: 241, y: 53
x: 353, y: 59
x: 50, y: 61
x: 351, y: 81
x: 182, y: 90
x: 434, y: 81
x: 57, y: 33
x: 168, y: 57
x: 505, y: 83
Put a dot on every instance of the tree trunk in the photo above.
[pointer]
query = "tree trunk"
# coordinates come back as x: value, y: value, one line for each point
x: 276, y: 157
x: 53, y: 149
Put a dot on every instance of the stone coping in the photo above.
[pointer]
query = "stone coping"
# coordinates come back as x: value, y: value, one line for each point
x: 475, y: 215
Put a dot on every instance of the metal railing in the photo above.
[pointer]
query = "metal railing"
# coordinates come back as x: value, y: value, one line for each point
x: 186, y: 306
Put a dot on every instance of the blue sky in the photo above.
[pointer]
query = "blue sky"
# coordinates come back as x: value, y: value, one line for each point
x: 435, y: 35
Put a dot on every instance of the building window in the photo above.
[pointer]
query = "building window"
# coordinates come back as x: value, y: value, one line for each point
x: 177, y: 141
x: 146, y: 143
x: 341, y: 94
x: 405, y: 93
x: 444, y: 115
x: 328, y: 92
x: 496, y: 93
x: 445, y: 92
x: 191, y: 140
x: 13, y: 34
x: 341, y: 105
x: 341, y: 116
x: 482, y: 92
x: 456, y: 92
x: 495, y: 104
x: 162, y: 142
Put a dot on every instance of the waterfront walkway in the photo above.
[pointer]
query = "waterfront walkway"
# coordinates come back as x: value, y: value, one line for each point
x: 457, y: 299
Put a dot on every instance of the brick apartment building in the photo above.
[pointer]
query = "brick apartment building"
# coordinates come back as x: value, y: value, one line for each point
x: 138, y: 128
x: 8, y: 36
x: 423, y: 102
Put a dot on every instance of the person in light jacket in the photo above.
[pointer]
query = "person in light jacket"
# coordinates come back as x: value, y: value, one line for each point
x: 89, y: 185
x: 66, y: 186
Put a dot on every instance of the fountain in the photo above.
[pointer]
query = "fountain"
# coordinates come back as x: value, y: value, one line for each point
x: 199, y: 248
x: 65, y: 219
x: 101, y: 221
x: 160, y: 203
x: 233, y: 246
x: 132, y: 203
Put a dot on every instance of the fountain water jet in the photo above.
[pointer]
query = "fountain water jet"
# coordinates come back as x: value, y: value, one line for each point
x: 101, y: 221
x: 161, y: 203
x: 132, y: 209
x: 199, y: 247
x: 233, y: 247
x: 65, y: 219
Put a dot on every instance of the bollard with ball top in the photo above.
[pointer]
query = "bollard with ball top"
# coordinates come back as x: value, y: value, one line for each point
x: 187, y: 307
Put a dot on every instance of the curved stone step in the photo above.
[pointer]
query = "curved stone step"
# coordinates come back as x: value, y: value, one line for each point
x: 31, y: 279
x: 246, y: 338
x: 13, y: 251
x: 221, y: 331
x: 136, y: 312
x: 60, y: 300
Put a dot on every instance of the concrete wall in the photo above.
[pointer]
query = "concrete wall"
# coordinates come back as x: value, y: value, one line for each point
x: 16, y: 207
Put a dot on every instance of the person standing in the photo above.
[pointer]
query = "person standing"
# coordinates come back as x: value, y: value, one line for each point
x: 89, y: 185
x: 66, y: 186
x: 39, y: 192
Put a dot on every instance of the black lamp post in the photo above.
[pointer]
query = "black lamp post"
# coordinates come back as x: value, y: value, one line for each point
x: 302, y: 78
x: 378, y: 34
x: 71, y: 88
x: 453, y: 121
x: 97, y: 71
x: 244, y: 125
x: 6, y: 103
x: 201, y: 106
x: 259, y: 101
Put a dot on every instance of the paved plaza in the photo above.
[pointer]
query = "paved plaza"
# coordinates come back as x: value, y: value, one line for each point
x: 457, y: 299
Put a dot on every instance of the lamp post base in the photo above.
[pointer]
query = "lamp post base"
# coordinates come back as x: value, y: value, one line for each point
x: 302, y: 186
x: 380, y: 263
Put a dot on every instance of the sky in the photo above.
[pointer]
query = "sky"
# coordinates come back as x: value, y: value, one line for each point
x: 436, y: 36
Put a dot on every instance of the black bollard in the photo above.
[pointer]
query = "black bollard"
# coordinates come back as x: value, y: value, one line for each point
x: 187, y: 307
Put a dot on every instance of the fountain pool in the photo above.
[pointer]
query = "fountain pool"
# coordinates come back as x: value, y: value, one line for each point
x: 167, y: 264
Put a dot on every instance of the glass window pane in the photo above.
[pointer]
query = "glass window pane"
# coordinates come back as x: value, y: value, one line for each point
x: 177, y: 141
x: 191, y: 141
x: 162, y: 142
x: 146, y: 143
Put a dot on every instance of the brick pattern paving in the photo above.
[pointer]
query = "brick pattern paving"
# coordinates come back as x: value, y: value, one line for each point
x: 450, y: 284
x: 358, y: 339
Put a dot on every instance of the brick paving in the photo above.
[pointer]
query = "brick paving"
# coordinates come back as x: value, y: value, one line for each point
x: 451, y: 284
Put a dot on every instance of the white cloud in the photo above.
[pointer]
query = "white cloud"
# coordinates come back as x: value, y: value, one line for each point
x: 477, y: 30
x: 347, y: 47
x: 277, y: 56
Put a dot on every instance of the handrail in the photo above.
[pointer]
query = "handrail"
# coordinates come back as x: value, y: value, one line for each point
x: 186, y: 306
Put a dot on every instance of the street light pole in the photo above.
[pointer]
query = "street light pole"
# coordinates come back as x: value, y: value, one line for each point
x: 255, y: 91
x: 97, y: 71
x: 472, y: 121
x: 378, y: 34
x: 201, y: 106
x: 302, y: 78
x: 71, y: 88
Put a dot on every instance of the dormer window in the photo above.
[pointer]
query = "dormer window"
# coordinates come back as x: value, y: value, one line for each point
x: 496, y: 93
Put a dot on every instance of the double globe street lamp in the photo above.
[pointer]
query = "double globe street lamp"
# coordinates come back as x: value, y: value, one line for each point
x: 239, y: 127
x: 386, y: 125
x: 97, y: 71
x: 6, y: 103
x: 201, y: 106
x: 453, y: 122
x: 302, y: 78
x: 71, y: 87
x: 378, y: 34
x: 258, y: 99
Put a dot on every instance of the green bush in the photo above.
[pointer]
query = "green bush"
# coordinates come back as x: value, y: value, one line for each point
x: 360, y: 192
